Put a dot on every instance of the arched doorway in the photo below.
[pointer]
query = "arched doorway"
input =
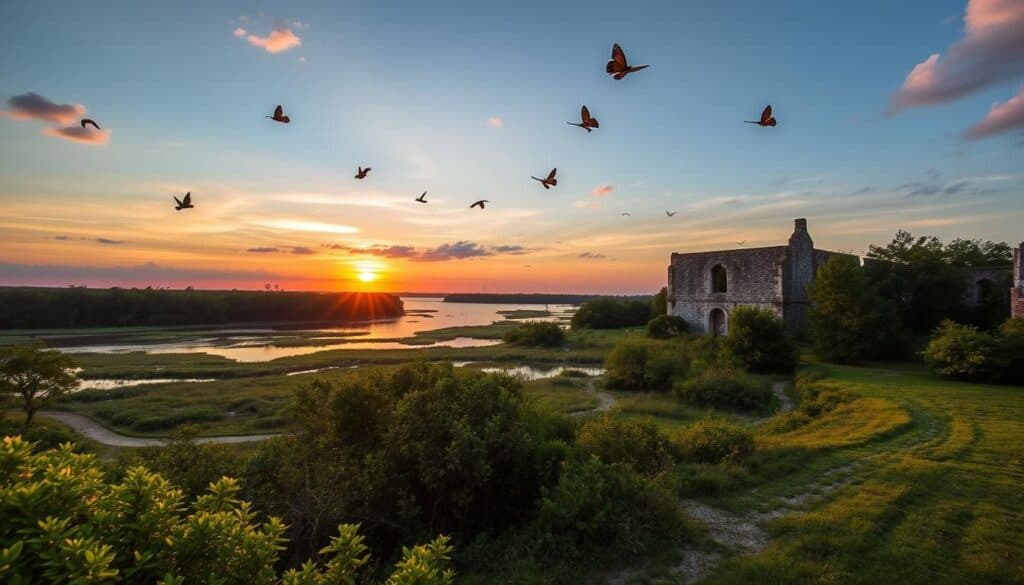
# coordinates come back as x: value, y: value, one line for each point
x: 717, y: 323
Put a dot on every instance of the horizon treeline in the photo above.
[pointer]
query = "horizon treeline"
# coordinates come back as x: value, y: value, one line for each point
x: 36, y: 308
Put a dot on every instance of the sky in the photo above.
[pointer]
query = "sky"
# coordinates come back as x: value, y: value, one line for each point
x: 892, y: 115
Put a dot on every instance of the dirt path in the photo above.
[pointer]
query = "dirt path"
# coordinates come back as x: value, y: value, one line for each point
x: 91, y: 429
x: 779, y: 389
x: 604, y: 400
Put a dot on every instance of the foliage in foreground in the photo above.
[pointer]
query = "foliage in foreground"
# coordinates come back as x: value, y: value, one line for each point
x: 723, y: 388
x: 611, y: 313
x: 759, y: 342
x: 64, y: 523
x: 713, y: 440
x: 641, y: 364
x: 666, y: 326
x: 537, y: 334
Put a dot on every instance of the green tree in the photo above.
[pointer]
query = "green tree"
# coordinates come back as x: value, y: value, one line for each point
x: 666, y: 326
x: 36, y: 375
x: 538, y: 334
x: 611, y: 313
x: 961, y: 351
x: 659, y: 304
x: 758, y: 341
x: 641, y: 364
x: 849, y: 320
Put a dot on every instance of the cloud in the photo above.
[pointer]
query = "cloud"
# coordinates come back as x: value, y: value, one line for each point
x: 141, y: 275
x: 279, y: 40
x: 239, y: 32
x: 63, y: 238
x: 586, y: 204
x: 109, y: 241
x: 862, y: 191
x: 79, y: 134
x: 264, y: 250
x: 460, y: 250
x: 303, y: 250
x: 591, y: 256
x: 961, y: 187
x: 32, y: 106
x: 933, y: 173
x: 496, y: 122
x: 602, y: 190
x: 510, y: 250
x: 309, y: 226
x: 991, y: 52
x: 379, y: 250
x: 1003, y: 117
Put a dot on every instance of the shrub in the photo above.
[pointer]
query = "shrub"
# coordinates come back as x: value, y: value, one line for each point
x: 713, y: 440
x: 613, y: 439
x: 596, y: 506
x: 65, y: 523
x: 724, y: 388
x: 536, y: 334
x: 666, y: 326
x: 639, y: 364
x: 758, y: 341
x: 611, y: 313
x: 1011, y: 350
x: 961, y: 351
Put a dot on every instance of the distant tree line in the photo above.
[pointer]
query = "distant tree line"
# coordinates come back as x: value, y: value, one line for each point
x: 32, y: 308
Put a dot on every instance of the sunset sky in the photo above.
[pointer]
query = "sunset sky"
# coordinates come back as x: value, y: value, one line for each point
x: 891, y: 115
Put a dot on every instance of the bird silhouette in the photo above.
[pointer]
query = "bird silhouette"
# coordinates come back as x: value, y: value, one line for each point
x: 185, y: 203
x: 479, y: 204
x: 618, y: 67
x: 671, y: 213
x: 587, y: 122
x: 628, y: 214
x: 422, y: 198
x: 550, y: 181
x: 90, y: 121
x: 361, y: 174
x: 766, y: 118
x: 279, y: 116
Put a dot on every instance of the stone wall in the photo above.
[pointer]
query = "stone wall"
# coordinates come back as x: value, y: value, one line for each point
x: 754, y: 277
x: 995, y: 276
x: 1017, y: 292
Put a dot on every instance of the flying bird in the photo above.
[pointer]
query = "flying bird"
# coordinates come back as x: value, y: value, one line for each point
x: 90, y: 121
x: 766, y: 118
x: 422, y: 198
x: 550, y: 181
x: 618, y: 67
x: 587, y: 122
x: 185, y: 203
x: 628, y: 214
x: 671, y: 213
x: 361, y: 174
x: 279, y: 116
x: 479, y: 204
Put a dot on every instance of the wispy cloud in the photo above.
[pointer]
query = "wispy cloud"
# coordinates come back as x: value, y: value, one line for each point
x: 280, y: 39
x: 460, y: 250
x: 1004, y: 117
x: 32, y: 106
x: 991, y: 52
x: 591, y: 256
x: 496, y: 122
x: 264, y: 250
x: 602, y: 190
x: 63, y: 238
x: 78, y: 134
x: 109, y: 241
x: 303, y: 250
x: 309, y: 226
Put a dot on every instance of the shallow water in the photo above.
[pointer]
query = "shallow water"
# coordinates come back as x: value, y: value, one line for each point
x: 542, y: 372
x: 112, y: 383
x: 257, y: 345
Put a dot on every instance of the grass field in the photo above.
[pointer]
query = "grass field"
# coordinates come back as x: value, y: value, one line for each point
x: 918, y: 480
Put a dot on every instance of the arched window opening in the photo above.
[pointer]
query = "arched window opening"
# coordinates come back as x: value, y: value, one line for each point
x: 719, y: 279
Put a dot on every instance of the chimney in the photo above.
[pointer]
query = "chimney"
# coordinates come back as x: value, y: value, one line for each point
x: 800, y: 225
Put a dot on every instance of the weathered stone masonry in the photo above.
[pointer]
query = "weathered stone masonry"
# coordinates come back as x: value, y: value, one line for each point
x: 1017, y: 292
x: 773, y: 278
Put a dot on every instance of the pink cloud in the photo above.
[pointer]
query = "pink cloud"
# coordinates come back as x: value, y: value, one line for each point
x: 496, y: 122
x: 239, y: 32
x: 280, y: 39
x: 1003, y: 117
x: 79, y: 134
x: 991, y: 52
x: 602, y: 191
x: 32, y: 106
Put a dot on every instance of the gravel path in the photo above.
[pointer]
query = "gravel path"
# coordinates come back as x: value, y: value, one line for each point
x: 91, y: 429
x: 604, y: 400
x: 779, y: 389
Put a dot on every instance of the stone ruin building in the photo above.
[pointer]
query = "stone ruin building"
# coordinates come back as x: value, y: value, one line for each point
x: 1017, y: 292
x: 704, y: 287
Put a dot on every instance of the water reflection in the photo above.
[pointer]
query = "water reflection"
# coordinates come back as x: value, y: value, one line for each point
x: 113, y: 383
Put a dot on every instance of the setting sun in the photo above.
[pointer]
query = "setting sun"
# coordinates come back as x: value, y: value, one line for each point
x: 367, y: 276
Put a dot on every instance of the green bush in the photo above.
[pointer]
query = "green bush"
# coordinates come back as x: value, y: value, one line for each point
x: 536, y: 334
x: 1011, y: 350
x: 759, y: 342
x: 961, y: 351
x: 611, y: 313
x: 724, y: 388
x: 666, y: 326
x: 640, y: 364
x: 713, y: 440
x: 63, y: 522
x: 613, y: 439
x: 599, y: 506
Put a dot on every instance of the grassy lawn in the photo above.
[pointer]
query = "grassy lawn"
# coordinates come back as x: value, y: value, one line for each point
x: 933, y: 489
